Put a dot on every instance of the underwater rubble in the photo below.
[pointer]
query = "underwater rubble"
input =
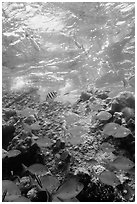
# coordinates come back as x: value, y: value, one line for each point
x: 54, y: 152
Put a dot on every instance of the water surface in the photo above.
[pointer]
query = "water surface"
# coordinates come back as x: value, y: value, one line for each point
x: 65, y: 46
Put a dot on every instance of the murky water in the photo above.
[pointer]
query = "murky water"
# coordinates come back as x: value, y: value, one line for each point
x: 65, y: 46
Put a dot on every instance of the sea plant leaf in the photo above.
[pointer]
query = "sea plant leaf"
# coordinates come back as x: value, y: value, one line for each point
x: 26, y: 112
x: 44, y: 142
x: 69, y: 189
x: 71, y: 118
x: 13, y: 153
x: 122, y: 163
x: 38, y: 169
x: 35, y: 126
x: 76, y: 133
x: 110, y: 129
x: 72, y: 200
x: 4, y: 153
x: 109, y: 178
x: 107, y: 147
x: 104, y: 116
x: 11, y: 198
x: 122, y: 132
x: 49, y: 182
x: 21, y: 199
x: 12, y: 190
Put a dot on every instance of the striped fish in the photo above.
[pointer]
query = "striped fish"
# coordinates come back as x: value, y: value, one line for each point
x: 51, y: 96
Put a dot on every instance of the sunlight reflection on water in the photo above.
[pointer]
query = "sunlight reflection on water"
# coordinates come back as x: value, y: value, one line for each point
x: 51, y: 43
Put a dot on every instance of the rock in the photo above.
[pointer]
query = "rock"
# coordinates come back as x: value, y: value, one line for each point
x: 30, y: 120
x: 7, y: 134
x: 59, y: 144
x: 124, y: 99
x: 9, y: 113
x: 32, y: 155
x: 41, y: 196
x: 102, y: 94
x: 131, y: 124
x: 128, y: 113
x: 108, y: 100
x: 92, y: 99
x: 85, y: 96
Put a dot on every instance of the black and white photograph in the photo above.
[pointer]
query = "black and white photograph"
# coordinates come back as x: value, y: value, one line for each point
x: 68, y: 101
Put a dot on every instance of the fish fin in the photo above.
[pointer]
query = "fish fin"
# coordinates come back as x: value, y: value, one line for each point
x: 38, y: 180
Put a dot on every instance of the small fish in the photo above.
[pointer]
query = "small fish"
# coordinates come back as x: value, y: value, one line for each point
x: 34, y: 43
x: 78, y: 44
x: 51, y: 96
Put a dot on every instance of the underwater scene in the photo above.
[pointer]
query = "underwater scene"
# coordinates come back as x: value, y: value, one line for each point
x: 68, y: 102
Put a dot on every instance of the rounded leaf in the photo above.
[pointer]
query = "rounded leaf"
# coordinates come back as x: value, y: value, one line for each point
x: 70, y: 188
x: 122, y: 132
x: 75, y: 140
x: 109, y: 178
x: 35, y: 126
x: 13, y: 153
x: 11, y: 198
x: 4, y: 153
x: 26, y: 112
x: 44, y: 142
x: 110, y: 129
x: 71, y: 118
x: 11, y: 187
x: 76, y: 133
x: 107, y: 147
x: 38, y: 169
x: 122, y: 163
x: 49, y: 182
x: 77, y: 130
x: 21, y: 199
x: 72, y: 200
x: 104, y: 116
